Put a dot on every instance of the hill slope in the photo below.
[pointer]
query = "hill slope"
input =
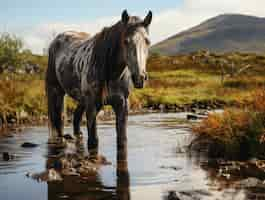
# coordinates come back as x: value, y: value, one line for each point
x: 224, y: 33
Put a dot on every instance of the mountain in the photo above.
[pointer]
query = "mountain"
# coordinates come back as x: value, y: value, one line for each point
x: 224, y: 33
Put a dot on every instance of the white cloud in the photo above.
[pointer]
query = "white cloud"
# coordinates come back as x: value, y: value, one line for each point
x: 38, y: 37
x: 166, y: 23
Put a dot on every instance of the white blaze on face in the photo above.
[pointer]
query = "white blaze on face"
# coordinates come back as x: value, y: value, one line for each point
x: 139, y: 51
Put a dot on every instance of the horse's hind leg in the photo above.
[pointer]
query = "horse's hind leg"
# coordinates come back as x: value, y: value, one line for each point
x: 55, y: 109
x: 77, y: 119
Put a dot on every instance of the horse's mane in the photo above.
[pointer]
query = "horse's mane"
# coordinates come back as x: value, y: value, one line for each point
x: 107, y: 55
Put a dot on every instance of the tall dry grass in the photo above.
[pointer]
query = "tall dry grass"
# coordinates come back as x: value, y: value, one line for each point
x: 237, y: 132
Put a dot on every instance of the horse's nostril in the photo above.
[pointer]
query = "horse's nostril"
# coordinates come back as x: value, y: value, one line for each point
x: 142, y: 77
x: 146, y: 77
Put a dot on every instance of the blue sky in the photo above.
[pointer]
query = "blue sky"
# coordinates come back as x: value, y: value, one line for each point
x: 17, y: 12
x: 36, y: 22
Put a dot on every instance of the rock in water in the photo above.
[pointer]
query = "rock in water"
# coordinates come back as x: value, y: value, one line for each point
x: 29, y: 145
x: 68, y: 137
x: 53, y: 175
x: 249, y: 182
x: 195, y: 117
x: 48, y: 176
x: 192, y: 117
x: 6, y: 156
x: 172, y: 196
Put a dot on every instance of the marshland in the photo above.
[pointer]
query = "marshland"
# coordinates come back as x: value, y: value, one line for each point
x: 195, y: 131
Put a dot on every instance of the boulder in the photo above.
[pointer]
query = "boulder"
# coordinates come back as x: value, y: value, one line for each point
x: 68, y: 137
x: 29, y: 145
x: 7, y: 156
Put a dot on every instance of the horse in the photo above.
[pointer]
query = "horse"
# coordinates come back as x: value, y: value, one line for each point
x: 97, y: 71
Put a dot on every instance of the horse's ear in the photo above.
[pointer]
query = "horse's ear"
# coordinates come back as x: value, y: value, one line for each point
x: 148, y: 19
x: 125, y: 17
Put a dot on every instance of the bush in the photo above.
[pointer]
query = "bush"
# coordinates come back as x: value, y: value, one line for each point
x: 10, y: 48
x: 235, y: 133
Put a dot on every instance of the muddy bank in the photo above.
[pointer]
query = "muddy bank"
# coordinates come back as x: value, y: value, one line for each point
x: 14, y: 122
x: 189, y: 107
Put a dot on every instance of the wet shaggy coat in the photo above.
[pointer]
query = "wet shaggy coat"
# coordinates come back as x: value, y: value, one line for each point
x: 94, y: 71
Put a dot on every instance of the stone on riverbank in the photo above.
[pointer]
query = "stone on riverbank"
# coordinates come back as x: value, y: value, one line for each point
x: 7, y: 156
x: 29, y: 145
x: 195, y: 117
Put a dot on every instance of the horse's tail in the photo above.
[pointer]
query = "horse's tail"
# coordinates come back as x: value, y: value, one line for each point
x: 54, y: 93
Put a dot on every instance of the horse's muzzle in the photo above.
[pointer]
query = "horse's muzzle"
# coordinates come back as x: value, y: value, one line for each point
x: 138, y: 81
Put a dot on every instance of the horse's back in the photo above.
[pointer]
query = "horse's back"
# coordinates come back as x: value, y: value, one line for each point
x: 63, y: 49
x: 68, y: 40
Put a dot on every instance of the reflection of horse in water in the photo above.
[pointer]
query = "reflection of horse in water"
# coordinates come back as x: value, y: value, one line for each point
x: 92, y: 188
x: 89, y: 186
x: 97, y: 71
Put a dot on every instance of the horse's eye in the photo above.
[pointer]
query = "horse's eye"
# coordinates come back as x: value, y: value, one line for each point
x: 147, y: 41
x: 126, y: 41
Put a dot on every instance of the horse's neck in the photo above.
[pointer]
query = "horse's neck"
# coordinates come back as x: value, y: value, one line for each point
x: 113, y: 65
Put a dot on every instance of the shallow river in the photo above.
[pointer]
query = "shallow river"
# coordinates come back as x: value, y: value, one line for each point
x: 158, y: 167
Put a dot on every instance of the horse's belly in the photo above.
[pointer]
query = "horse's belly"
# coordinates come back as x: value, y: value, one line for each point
x: 69, y: 80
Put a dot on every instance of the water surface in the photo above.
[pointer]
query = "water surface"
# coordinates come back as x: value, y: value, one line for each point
x: 158, y: 167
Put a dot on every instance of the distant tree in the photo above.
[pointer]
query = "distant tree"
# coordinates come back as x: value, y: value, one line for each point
x: 24, y: 56
x: 10, y: 49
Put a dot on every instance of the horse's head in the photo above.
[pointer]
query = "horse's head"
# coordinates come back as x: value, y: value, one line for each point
x: 136, y: 44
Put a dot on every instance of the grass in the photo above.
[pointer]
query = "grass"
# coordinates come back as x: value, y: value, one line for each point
x: 181, y: 80
x: 182, y: 87
x: 173, y: 81
x: 176, y: 87
x: 21, y: 95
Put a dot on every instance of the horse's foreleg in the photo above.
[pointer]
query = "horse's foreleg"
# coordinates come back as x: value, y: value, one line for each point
x: 92, y: 142
x: 120, y: 107
x: 91, y: 114
x: 77, y: 119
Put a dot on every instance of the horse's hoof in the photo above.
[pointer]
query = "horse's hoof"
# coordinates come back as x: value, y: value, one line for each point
x: 58, y: 142
x: 92, y: 147
x: 78, y: 135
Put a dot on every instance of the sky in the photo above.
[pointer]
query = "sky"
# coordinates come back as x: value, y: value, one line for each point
x: 36, y: 22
